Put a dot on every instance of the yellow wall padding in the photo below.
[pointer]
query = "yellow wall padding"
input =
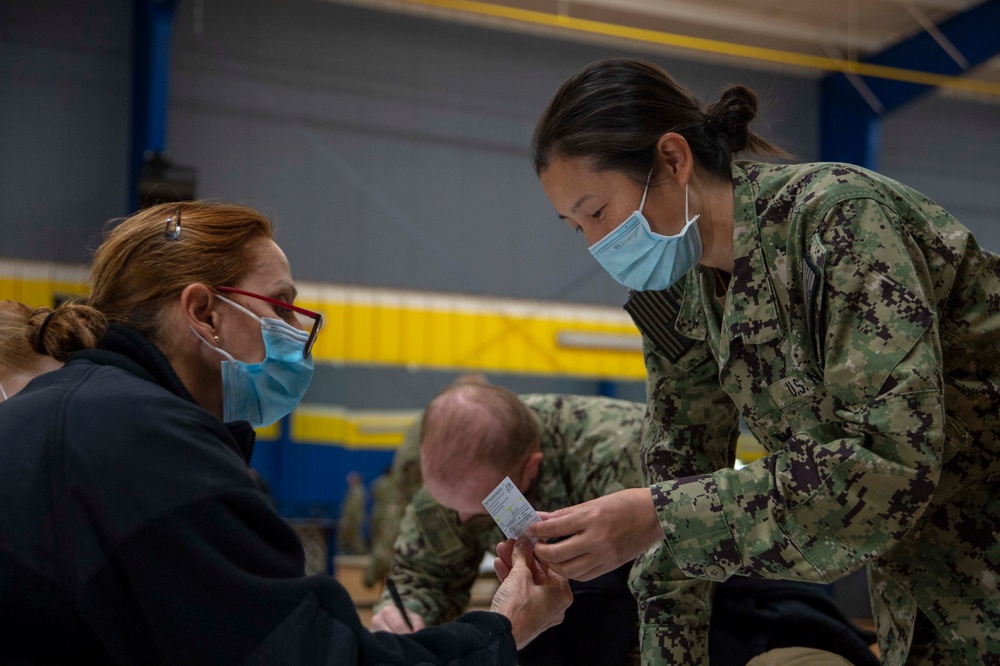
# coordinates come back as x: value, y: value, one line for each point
x: 456, y: 332
x: 419, y: 330
x: 351, y: 429
x: 39, y: 284
x: 411, y: 329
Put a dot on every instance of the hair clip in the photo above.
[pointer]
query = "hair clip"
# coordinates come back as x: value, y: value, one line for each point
x: 173, y: 231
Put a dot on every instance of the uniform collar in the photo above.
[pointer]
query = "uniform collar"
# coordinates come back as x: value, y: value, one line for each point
x: 751, y: 311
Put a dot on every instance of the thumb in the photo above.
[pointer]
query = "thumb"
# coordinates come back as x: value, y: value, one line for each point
x: 522, y: 552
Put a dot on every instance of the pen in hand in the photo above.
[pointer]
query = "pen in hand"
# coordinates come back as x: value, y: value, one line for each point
x: 398, y: 601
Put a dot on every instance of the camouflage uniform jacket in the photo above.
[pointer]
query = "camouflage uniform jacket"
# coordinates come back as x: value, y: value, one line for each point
x: 404, y: 482
x: 858, y: 338
x: 590, y: 448
x: 350, y: 527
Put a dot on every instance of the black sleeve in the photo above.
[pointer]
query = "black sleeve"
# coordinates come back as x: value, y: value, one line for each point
x: 172, y: 553
x: 219, y: 582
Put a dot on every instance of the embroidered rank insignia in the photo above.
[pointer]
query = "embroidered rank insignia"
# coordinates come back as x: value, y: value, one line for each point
x: 654, y: 314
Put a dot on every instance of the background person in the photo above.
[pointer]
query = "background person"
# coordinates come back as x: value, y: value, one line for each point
x: 382, y: 493
x: 847, y: 318
x: 405, y: 480
x: 402, y: 481
x: 36, y: 341
x: 132, y: 530
x: 557, y: 449
x: 563, y: 449
x: 350, y: 527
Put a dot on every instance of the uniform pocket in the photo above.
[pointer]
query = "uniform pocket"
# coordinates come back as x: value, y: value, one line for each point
x: 785, y: 405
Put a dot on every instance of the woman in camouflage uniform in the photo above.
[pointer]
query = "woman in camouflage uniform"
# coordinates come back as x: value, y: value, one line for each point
x: 850, y: 321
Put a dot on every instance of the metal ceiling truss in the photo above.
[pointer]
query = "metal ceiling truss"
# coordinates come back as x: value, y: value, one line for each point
x: 851, y: 107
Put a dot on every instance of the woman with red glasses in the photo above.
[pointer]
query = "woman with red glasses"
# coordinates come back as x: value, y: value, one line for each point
x: 132, y: 530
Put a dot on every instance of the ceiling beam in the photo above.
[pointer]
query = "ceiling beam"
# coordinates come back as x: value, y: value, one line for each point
x: 974, y: 33
x: 741, y: 21
x: 850, y: 120
x: 945, y: 5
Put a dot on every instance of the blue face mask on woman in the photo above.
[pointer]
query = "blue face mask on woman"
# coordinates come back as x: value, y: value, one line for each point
x: 265, y: 392
x: 644, y: 260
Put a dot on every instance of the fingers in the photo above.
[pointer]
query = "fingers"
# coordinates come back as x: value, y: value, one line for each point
x: 563, y: 551
x: 417, y: 621
x: 378, y: 622
x: 522, y: 553
x: 539, y: 572
x: 558, y: 523
x: 505, y: 562
x: 547, y: 529
x: 501, y: 569
x: 505, y: 551
x: 574, y: 569
x: 390, y: 619
x: 576, y: 557
x: 586, y: 566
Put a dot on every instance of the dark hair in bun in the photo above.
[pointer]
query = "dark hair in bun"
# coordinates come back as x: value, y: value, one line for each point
x: 615, y: 111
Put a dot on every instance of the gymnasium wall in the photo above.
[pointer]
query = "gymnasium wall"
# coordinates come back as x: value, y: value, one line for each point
x: 392, y: 153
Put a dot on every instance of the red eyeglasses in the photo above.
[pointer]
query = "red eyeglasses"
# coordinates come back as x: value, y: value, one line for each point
x: 307, y: 320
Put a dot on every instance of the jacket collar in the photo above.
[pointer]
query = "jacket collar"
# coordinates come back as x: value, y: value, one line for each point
x: 751, y: 309
x: 126, y: 348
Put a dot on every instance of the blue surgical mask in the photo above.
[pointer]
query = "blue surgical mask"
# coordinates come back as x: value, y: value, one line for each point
x: 644, y: 260
x: 265, y: 392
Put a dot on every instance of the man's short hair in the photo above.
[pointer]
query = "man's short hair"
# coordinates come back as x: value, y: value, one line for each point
x: 476, y: 424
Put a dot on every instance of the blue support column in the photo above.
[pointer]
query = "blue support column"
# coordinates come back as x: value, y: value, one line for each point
x: 150, y: 84
x: 850, y: 127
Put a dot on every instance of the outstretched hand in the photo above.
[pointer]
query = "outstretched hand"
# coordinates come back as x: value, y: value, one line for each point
x: 391, y: 619
x: 532, y: 597
x: 601, y: 534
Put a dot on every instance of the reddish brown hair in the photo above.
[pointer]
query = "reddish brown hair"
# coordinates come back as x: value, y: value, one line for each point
x: 26, y: 333
x: 140, y: 267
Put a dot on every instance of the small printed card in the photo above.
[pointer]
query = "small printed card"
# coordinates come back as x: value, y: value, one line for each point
x: 509, y: 509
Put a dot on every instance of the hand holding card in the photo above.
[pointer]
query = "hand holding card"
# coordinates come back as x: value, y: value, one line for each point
x: 509, y: 509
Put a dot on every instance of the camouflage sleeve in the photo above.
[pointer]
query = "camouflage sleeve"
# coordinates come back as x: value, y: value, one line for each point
x: 691, y: 428
x: 857, y: 452
x: 405, y: 472
x: 613, y: 443
x: 384, y: 529
x: 435, y: 560
x: 404, y: 481
x: 599, y: 437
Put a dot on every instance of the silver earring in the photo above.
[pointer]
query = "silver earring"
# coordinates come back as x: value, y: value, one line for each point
x: 216, y: 338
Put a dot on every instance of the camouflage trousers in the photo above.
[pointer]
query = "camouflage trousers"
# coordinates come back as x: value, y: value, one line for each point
x: 674, y: 610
